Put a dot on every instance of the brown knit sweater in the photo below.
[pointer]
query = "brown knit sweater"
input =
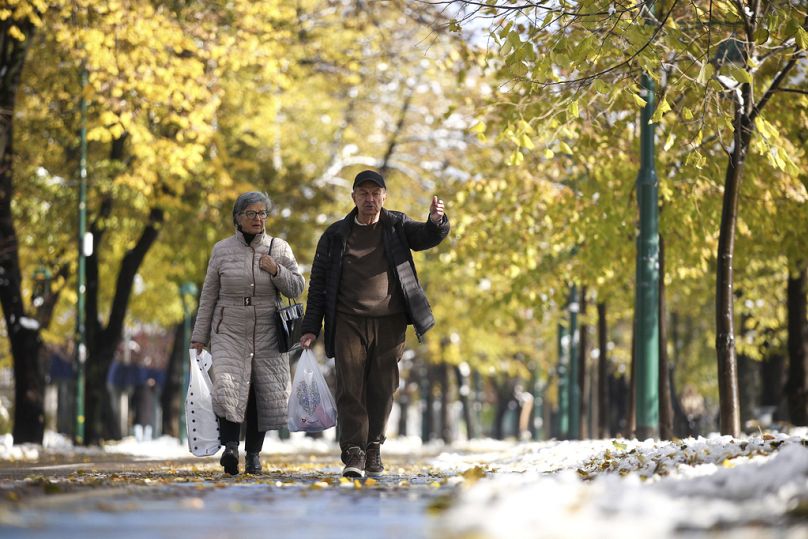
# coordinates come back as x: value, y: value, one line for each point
x: 367, y: 286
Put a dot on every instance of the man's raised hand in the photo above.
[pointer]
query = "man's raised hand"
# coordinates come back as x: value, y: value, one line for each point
x: 436, y: 210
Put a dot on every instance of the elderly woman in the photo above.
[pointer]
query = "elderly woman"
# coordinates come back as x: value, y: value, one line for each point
x: 236, y: 317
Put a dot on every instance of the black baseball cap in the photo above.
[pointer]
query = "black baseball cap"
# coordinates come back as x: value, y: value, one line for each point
x: 369, y: 176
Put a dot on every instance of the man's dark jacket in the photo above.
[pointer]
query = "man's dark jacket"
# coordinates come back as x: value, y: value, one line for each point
x: 401, y: 236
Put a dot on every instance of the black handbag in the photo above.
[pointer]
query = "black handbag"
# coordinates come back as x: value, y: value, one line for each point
x: 288, y: 320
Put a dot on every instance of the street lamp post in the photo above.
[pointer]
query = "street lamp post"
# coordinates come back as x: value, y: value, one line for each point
x: 81, y: 344
x: 647, y: 288
x: 188, y: 291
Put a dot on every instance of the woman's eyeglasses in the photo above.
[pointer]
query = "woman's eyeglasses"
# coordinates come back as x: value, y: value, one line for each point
x: 253, y: 214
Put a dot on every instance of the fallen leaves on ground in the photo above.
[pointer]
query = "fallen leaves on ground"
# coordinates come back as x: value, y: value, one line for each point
x: 190, y: 481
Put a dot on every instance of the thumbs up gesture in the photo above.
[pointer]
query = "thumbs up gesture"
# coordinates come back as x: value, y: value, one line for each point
x: 436, y: 210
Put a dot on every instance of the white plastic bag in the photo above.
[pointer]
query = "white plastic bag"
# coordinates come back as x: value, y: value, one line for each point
x: 311, y: 405
x: 200, y: 422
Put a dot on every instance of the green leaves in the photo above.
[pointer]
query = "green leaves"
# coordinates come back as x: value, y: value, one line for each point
x: 661, y: 109
x: 639, y: 101
x: 739, y: 73
x: 801, y: 36
x: 705, y: 73
x: 572, y: 110
x: 515, y: 158
x: 478, y: 129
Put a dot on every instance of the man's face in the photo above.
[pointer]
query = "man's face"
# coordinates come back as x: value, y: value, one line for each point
x: 369, y: 199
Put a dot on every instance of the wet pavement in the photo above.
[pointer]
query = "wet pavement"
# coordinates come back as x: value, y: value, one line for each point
x: 300, y: 496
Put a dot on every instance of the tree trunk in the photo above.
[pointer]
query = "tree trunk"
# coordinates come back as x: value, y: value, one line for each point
x: 664, y: 389
x: 619, y: 401
x: 23, y: 331
x: 463, y: 391
x: 772, y: 377
x: 583, y: 359
x: 398, y: 131
x: 102, y: 343
x: 797, y: 385
x: 499, y: 418
x: 746, y: 112
x: 29, y: 386
x: 173, y: 391
x: 405, y: 399
x: 562, y: 415
x: 631, y: 420
x: 680, y: 423
x: 730, y: 419
x: 504, y: 393
x: 403, y: 409
x: 427, y: 421
x: 535, y: 417
x: 445, y: 426
x: 603, y: 388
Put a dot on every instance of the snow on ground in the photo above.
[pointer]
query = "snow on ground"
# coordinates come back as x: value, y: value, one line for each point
x: 167, y: 447
x: 754, y: 487
x: 164, y: 447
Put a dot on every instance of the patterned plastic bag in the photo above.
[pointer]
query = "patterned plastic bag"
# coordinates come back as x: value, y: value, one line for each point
x: 311, y: 405
x: 201, y: 424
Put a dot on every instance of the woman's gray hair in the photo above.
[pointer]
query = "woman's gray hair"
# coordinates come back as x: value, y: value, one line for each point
x: 244, y: 200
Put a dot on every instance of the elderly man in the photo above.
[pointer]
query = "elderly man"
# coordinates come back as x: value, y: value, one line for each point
x: 364, y: 284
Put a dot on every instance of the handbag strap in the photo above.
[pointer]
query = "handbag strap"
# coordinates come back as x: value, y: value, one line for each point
x: 279, y: 295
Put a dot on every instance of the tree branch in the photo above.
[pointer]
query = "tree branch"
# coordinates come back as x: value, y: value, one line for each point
x: 616, y: 66
x: 774, y: 85
x: 130, y: 265
x: 792, y: 90
x: 528, y: 5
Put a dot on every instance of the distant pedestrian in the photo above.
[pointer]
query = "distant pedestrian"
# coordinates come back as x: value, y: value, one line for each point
x: 364, y: 285
x: 251, y: 379
x: 145, y: 401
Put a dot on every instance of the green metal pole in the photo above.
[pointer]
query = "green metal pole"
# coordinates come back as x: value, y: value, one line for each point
x: 563, y: 418
x: 574, y: 390
x: 647, y: 294
x: 81, y: 344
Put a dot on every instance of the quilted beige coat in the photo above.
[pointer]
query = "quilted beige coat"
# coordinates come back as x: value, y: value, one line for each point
x: 236, y: 320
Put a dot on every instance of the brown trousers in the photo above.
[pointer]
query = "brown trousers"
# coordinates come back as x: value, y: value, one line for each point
x: 367, y: 353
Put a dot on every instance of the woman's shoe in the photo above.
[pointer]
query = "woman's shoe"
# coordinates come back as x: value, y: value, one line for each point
x: 230, y: 458
x: 252, y: 463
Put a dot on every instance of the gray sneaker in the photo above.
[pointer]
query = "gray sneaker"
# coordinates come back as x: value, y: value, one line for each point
x: 373, y: 460
x: 354, y: 459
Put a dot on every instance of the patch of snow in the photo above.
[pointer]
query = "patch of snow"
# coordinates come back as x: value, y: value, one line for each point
x: 630, y: 488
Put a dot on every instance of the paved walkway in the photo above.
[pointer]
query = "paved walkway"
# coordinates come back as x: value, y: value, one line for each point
x: 298, y: 496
